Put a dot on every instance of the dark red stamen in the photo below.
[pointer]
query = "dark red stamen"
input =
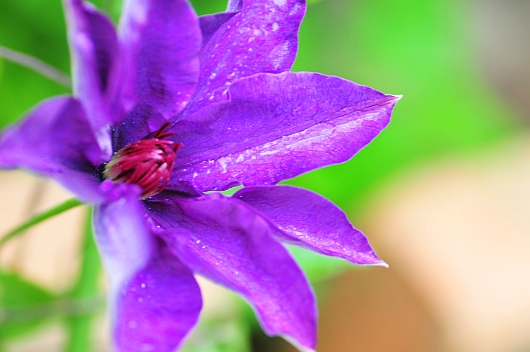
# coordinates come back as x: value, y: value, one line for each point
x: 147, y: 163
x: 160, y: 134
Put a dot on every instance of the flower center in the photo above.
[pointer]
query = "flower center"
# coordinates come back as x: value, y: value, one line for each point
x: 147, y: 163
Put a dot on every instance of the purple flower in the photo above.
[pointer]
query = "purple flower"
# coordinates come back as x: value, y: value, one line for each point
x: 172, y: 107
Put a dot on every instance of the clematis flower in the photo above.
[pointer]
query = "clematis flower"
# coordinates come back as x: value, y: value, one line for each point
x: 168, y: 111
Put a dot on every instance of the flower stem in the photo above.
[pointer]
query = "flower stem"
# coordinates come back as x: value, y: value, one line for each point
x: 37, y: 65
x: 61, y: 208
x: 80, y: 337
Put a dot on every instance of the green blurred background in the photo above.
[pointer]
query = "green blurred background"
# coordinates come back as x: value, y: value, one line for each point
x: 431, y: 52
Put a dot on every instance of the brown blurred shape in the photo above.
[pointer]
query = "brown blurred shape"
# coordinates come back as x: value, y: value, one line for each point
x: 502, y: 28
x: 460, y: 233
x: 374, y: 310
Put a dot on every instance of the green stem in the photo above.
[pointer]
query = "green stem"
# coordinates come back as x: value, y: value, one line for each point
x: 36, y: 65
x: 61, y: 208
x: 80, y: 335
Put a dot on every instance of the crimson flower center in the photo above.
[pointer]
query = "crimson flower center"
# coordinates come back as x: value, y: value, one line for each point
x: 147, y: 163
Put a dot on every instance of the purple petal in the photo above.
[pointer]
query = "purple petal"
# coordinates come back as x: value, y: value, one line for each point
x: 122, y: 234
x: 234, y: 5
x: 262, y: 37
x: 154, y: 299
x: 309, y: 220
x: 95, y: 52
x: 211, y: 23
x: 276, y: 127
x: 161, y: 40
x: 55, y: 140
x: 140, y: 122
x: 158, y: 306
x: 224, y: 240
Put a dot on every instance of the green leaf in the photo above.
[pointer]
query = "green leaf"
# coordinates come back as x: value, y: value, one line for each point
x: 23, y: 305
x: 206, y: 7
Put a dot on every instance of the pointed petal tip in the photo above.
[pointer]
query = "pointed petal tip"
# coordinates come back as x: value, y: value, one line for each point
x: 297, y: 344
x: 375, y: 261
x: 393, y: 98
x: 397, y: 97
x: 382, y: 263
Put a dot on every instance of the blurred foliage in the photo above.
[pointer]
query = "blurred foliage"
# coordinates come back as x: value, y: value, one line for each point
x: 36, y: 28
x: 23, y: 305
x: 85, y: 289
x: 220, y: 334
x: 421, y: 49
x: 38, y: 218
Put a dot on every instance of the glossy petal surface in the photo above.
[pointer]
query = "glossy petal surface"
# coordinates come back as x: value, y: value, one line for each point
x: 95, y: 65
x: 276, y: 127
x: 158, y: 306
x: 211, y: 23
x: 161, y: 40
x: 224, y: 240
x: 261, y: 37
x: 122, y: 234
x: 154, y: 298
x: 53, y: 141
x: 309, y: 220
